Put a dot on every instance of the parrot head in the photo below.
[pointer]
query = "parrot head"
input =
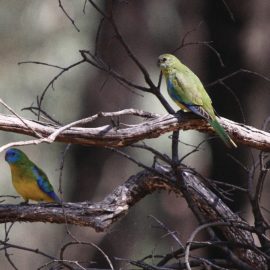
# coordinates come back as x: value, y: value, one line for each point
x: 15, y: 156
x: 167, y: 61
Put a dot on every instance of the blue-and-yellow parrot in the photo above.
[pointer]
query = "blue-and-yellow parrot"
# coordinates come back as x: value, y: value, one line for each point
x: 28, y: 179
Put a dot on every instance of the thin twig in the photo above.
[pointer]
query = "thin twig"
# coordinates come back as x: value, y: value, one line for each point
x: 169, y: 232
x: 241, y: 70
x: 228, y: 10
x: 206, y: 44
x: 19, y: 117
x: 64, y: 247
x: 68, y: 16
x: 202, y: 227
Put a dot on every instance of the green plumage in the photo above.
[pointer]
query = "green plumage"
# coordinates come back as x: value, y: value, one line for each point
x: 187, y: 91
x: 222, y: 133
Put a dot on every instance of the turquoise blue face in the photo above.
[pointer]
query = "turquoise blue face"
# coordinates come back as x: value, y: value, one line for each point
x: 13, y: 155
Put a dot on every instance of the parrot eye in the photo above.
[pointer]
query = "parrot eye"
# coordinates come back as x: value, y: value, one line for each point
x: 163, y: 59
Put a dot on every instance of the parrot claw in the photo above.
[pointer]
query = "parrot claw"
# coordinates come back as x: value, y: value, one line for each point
x: 25, y: 202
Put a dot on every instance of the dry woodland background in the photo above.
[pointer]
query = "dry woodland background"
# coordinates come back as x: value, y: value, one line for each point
x: 82, y: 95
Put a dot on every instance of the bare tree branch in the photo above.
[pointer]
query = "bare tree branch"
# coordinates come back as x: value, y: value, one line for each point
x: 102, y: 215
x: 109, y: 136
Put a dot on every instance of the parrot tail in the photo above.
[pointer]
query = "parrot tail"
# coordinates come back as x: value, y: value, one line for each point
x: 55, y: 197
x: 222, y: 133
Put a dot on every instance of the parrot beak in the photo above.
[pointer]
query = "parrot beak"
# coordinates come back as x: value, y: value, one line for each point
x: 161, y: 63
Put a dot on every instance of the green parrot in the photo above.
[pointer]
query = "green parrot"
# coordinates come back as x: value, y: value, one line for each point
x: 187, y: 91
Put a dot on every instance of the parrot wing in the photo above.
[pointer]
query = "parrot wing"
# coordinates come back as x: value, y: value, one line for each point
x: 188, y: 88
x: 193, y: 94
x: 200, y: 111
x: 44, y: 184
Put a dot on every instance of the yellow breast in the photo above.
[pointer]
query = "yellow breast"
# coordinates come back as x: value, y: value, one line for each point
x: 182, y: 107
x: 27, y: 186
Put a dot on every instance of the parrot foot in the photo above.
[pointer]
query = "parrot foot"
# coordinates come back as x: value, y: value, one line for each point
x: 115, y: 123
x: 25, y: 202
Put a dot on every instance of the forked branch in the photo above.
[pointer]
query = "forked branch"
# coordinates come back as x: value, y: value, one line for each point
x: 102, y: 215
x: 127, y: 134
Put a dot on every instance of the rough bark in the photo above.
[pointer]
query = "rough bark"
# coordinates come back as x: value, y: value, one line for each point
x: 123, y: 136
x: 102, y: 215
